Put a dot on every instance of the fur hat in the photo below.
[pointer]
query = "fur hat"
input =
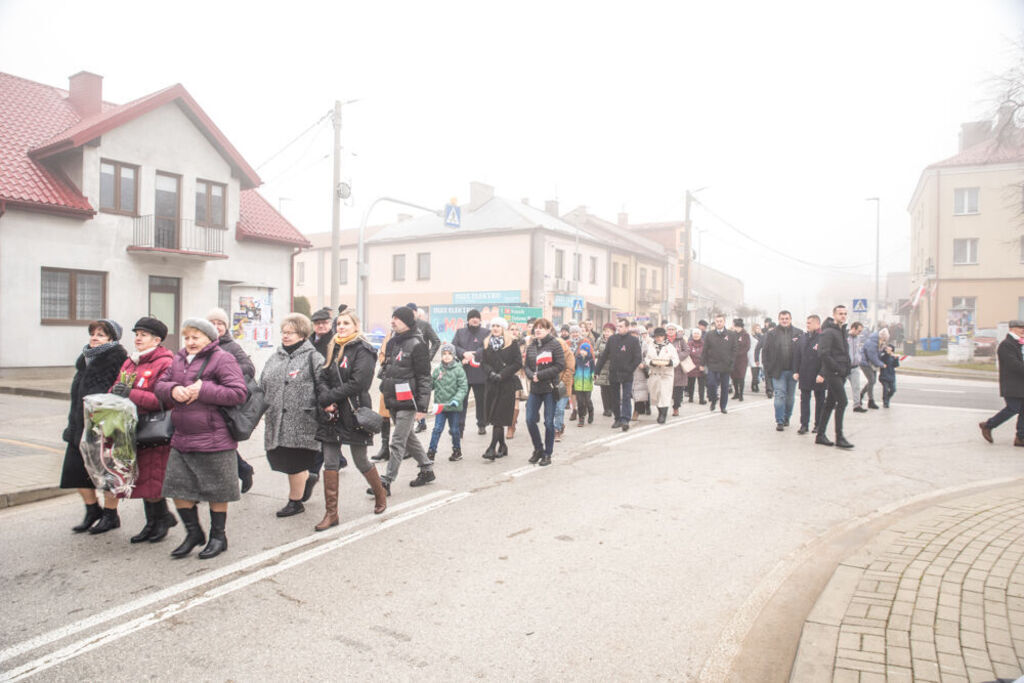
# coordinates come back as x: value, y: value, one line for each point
x: 405, y: 314
x: 218, y: 314
x: 498, y: 321
x: 151, y: 325
x: 322, y: 314
x: 203, y: 325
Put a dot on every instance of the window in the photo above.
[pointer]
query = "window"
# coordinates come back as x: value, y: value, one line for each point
x: 210, y: 204
x: 682, y: 272
x: 615, y: 275
x: 965, y: 200
x: 422, y: 266
x: 73, y: 296
x: 643, y: 278
x: 398, y: 267
x: 625, y: 275
x: 654, y: 279
x: 593, y: 264
x: 119, y: 187
x: 166, y: 211
x: 965, y: 302
x: 300, y: 273
x: 1022, y: 249
x: 577, y: 266
x: 224, y: 294
x: 965, y: 251
x: 559, y: 263
x: 343, y: 271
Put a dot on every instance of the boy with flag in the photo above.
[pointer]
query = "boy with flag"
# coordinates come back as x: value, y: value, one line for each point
x: 450, y: 391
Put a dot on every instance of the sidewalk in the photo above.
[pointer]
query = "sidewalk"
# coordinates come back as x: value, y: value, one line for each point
x: 940, y: 366
x: 937, y: 596
x: 54, y: 383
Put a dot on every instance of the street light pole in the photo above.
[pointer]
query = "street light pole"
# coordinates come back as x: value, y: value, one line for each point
x: 878, y: 256
x: 339, y: 192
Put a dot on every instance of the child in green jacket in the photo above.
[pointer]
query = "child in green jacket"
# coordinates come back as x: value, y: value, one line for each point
x: 450, y: 390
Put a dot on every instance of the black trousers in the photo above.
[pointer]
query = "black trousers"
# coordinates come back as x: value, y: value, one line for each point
x: 835, y: 399
x: 818, y: 393
x: 584, y: 404
x: 478, y: 399
x: 608, y: 400
x: 677, y: 396
x: 701, y: 381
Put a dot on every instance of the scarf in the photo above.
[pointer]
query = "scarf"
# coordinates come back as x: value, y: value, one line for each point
x: 91, y: 353
x: 290, y: 349
x: 136, y: 356
x: 497, y: 343
x: 339, y: 342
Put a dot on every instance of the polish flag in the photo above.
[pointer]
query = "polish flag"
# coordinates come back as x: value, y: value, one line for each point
x: 473, y: 362
x: 403, y: 392
x: 437, y: 409
x: 544, y: 358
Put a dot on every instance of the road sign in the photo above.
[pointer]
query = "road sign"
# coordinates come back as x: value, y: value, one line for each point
x: 577, y: 306
x: 452, y: 215
x: 860, y: 305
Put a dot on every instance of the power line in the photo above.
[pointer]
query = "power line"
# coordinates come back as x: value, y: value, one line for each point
x: 809, y: 264
x: 297, y: 138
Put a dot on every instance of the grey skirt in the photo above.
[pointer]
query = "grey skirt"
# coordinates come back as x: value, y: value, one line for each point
x: 197, y: 476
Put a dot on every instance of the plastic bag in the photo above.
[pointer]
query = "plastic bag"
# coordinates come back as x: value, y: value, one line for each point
x: 108, y: 442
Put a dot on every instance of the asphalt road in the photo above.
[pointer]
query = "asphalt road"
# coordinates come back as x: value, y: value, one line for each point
x: 636, y: 556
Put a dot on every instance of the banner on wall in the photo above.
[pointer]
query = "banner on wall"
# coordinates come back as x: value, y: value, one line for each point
x: 446, y: 320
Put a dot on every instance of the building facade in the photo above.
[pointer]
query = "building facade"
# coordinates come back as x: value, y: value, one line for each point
x: 967, y: 235
x: 120, y: 211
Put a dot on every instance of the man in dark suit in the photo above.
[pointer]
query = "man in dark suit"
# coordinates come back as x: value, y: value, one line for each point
x: 808, y: 374
x: 1011, y: 383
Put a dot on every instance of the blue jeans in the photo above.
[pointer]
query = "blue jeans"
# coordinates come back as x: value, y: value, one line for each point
x: 453, y: 419
x: 716, y: 379
x: 784, y: 387
x: 560, y: 413
x: 1014, y: 406
x: 533, y: 403
x: 622, y: 392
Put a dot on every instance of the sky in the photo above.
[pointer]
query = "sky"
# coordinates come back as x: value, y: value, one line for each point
x: 790, y: 113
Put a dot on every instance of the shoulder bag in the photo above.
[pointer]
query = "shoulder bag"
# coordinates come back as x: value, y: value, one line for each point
x: 154, y: 429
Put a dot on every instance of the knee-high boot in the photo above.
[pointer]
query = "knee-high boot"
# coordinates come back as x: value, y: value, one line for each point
x: 330, y: 501
x: 385, y: 442
x: 218, y: 539
x: 380, y: 493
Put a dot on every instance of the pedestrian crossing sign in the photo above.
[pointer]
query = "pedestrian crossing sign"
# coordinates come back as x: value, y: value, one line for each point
x: 577, y: 306
x: 452, y: 215
x: 860, y: 305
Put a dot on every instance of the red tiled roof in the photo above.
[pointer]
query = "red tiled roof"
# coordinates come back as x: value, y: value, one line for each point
x: 1009, y: 149
x: 31, y: 113
x: 259, y: 221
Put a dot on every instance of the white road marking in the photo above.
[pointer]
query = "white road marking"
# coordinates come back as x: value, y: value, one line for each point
x: 943, y: 391
x: 956, y: 408
x: 522, y: 471
x: 177, y: 589
x: 122, y: 630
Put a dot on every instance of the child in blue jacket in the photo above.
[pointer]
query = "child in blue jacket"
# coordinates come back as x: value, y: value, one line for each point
x: 887, y: 375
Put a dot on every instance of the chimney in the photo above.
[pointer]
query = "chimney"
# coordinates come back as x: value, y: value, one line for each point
x: 974, y: 132
x: 551, y: 207
x: 479, y: 194
x: 85, y: 93
x: 623, y: 219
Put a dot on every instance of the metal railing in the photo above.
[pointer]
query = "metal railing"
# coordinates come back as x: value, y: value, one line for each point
x: 181, y: 234
x: 649, y: 295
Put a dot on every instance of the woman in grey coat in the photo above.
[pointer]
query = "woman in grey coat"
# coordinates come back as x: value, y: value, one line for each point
x: 289, y: 382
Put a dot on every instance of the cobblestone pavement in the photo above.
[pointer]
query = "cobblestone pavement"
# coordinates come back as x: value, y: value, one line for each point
x: 938, y: 596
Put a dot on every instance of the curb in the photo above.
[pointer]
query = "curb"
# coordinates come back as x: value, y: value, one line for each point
x: 8, y: 500
x: 941, y: 374
x: 36, y: 393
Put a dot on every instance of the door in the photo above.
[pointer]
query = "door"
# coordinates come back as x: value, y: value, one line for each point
x: 164, y: 304
x: 167, y: 210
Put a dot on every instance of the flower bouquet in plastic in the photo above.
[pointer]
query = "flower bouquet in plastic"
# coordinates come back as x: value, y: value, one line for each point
x: 108, y: 442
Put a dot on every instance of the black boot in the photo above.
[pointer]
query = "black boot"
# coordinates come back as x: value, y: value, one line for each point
x: 194, y: 535
x: 822, y: 437
x: 841, y: 441
x: 148, y: 529
x: 93, y: 512
x: 163, y: 521
x: 109, y: 520
x: 662, y: 415
x: 385, y: 442
x: 311, y: 481
x: 218, y: 541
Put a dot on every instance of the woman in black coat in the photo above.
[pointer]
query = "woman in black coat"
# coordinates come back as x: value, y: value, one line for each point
x: 501, y: 360
x: 343, y: 386
x: 97, y: 370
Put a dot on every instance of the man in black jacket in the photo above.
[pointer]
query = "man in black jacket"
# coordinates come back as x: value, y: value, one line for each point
x: 779, y: 343
x: 808, y: 374
x: 1011, y: 383
x: 623, y: 352
x: 322, y: 331
x: 545, y: 361
x: 718, y: 357
x: 834, y: 352
x: 433, y: 342
x: 405, y: 387
x: 469, y: 345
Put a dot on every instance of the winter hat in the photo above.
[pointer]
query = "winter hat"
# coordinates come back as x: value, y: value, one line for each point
x: 322, y: 314
x: 113, y: 326
x: 151, y: 325
x: 660, y: 332
x: 412, y: 307
x: 738, y: 322
x: 671, y: 325
x: 608, y: 326
x: 218, y: 314
x: 498, y: 321
x: 1015, y: 323
x: 203, y: 325
x: 449, y: 347
x: 574, y: 328
x: 341, y: 308
x: 585, y: 346
x: 702, y: 323
x: 405, y: 314
x: 473, y: 313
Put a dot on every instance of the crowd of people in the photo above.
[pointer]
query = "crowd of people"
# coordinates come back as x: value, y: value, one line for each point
x: 316, y: 395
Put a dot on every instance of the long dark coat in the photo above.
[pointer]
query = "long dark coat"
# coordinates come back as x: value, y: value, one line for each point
x: 1011, y: 368
x: 740, y: 360
x: 500, y: 396
x: 346, y: 383
x: 95, y: 378
x: 153, y: 459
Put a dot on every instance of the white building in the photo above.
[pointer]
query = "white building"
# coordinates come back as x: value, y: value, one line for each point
x: 120, y: 211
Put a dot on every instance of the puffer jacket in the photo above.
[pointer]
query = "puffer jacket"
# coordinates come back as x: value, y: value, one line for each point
x: 346, y: 383
x: 833, y: 350
x: 450, y: 384
x: 405, y: 373
x: 152, y: 459
x: 289, y: 384
x: 872, y: 351
x: 199, y: 426
x: 546, y: 362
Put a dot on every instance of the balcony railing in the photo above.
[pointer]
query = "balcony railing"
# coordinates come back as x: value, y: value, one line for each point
x: 649, y: 295
x: 180, y: 236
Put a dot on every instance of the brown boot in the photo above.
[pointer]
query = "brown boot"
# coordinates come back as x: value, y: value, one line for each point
x: 986, y: 433
x: 380, y: 496
x: 330, y: 501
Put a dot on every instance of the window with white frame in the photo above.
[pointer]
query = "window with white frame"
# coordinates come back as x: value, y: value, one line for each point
x: 398, y: 267
x: 423, y: 266
x: 965, y: 251
x: 965, y: 302
x: 343, y: 271
x: 965, y: 201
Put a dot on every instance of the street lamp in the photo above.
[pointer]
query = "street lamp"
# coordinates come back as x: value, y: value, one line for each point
x: 361, y: 270
x: 339, y: 192
x: 688, y: 256
x: 878, y: 251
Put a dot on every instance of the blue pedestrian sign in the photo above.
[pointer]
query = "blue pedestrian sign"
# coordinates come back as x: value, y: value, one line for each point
x: 452, y: 215
x: 860, y: 305
x: 577, y: 306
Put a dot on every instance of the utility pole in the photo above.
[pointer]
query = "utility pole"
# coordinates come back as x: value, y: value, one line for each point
x: 336, y: 212
x: 686, y: 261
x: 878, y: 251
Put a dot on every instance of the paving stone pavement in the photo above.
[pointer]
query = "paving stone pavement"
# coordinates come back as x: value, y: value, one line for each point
x: 938, y: 596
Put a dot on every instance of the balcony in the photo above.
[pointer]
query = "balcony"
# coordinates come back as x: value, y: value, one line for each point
x: 649, y: 296
x: 181, y: 237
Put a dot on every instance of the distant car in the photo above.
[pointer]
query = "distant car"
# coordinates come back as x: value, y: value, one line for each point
x: 985, y: 342
x: 376, y: 338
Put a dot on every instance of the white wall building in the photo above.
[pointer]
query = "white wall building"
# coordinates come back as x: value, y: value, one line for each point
x: 111, y: 211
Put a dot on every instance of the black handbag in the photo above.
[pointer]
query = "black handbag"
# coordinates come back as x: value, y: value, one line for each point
x: 154, y: 429
x: 242, y: 419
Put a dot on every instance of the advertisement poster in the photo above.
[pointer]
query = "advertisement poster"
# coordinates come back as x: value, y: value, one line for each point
x: 447, y: 319
x: 253, y: 321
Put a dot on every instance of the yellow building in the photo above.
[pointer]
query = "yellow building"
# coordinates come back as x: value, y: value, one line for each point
x: 967, y: 234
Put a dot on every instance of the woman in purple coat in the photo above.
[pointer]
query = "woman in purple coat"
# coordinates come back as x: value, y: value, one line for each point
x: 202, y: 379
